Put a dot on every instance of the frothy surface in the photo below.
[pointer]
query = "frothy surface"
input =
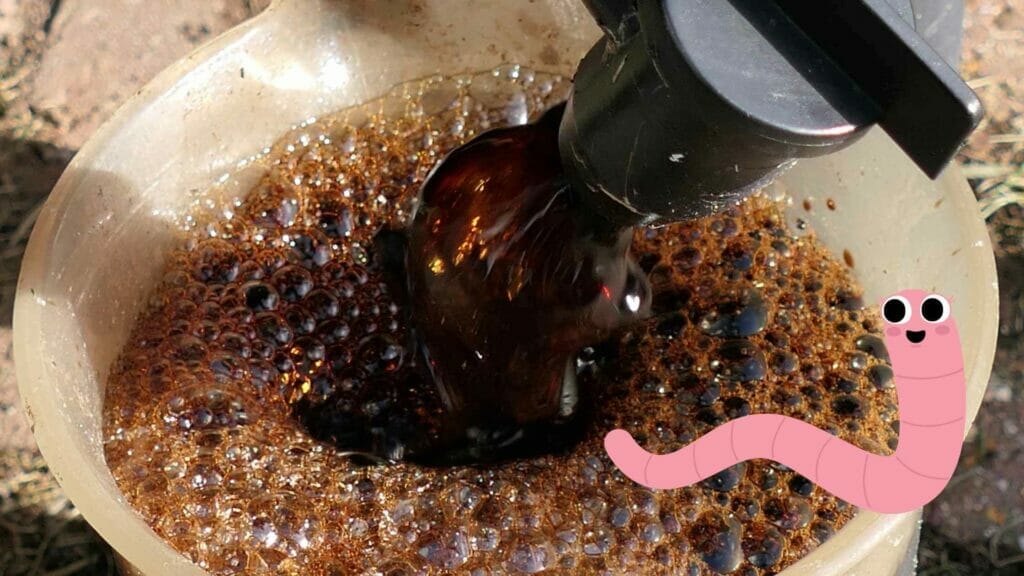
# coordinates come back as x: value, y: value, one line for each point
x: 283, y: 307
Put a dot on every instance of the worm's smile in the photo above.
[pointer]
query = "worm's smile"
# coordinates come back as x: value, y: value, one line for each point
x: 915, y: 336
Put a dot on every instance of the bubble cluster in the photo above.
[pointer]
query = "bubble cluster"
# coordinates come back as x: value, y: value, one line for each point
x: 277, y: 322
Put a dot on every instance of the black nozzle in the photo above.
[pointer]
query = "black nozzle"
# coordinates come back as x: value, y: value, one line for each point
x: 687, y: 105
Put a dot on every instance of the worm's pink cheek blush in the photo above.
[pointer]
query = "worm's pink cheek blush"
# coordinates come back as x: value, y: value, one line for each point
x: 942, y: 330
x: 893, y: 331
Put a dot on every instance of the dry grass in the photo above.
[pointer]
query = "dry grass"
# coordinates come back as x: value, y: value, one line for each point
x: 43, y: 534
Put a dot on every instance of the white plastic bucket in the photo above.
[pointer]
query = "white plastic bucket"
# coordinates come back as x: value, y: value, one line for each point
x: 99, y: 244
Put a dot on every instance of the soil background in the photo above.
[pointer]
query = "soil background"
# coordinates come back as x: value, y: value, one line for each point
x: 66, y: 66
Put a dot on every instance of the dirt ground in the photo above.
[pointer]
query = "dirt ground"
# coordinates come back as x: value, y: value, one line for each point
x: 66, y: 65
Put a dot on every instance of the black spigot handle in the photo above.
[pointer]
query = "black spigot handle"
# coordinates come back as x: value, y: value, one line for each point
x: 686, y: 105
x: 923, y: 104
x: 612, y: 16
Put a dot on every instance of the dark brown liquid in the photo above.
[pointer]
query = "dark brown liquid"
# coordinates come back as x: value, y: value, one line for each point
x: 285, y: 307
x: 507, y: 282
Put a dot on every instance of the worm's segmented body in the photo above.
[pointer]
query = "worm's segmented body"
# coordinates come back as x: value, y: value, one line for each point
x: 931, y: 390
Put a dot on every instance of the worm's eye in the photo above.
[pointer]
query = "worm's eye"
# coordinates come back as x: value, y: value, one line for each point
x: 935, y: 308
x: 896, y: 310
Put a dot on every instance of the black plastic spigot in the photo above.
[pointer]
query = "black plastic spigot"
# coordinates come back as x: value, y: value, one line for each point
x: 687, y: 105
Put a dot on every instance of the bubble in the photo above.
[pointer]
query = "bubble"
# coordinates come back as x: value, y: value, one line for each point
x: 858, y: 362
x: 227, y: 367
x: 620, y: 517
x: 739, y: 258
x: 203, y: 407
x: 739, y: 360
x: 736, y: 407
x: 849, y: 301
x: 204, y: 477
x: 300, y: 320
x: 445, y: 549
x: 531, y: 558
x: 727, y: 479
x: 381, y: 354
x: 336, y: 225
x: 844, y: 382
x: 821, y: 531
x: 206, y: 330
x: 271, y: 206
x: 744, y: 507
x: 687, y: 258
x: 516, y: 111
x: 334, y: 331
x: 718, y: 541
x: 260, y: 296
x: 801, y: 486
x: 264, y: 532
x: 308, y: 354
x: 788, y: 513
x: 598, y: 542
x: 272, y: 328
x: 881, y: 376
x: 725, y: 227
x: 235, y: 344
x: 849, y: 406
x: 813, y: 372
x: 292, y: 283
x: 322, y: 304
x: 783, y: 363
x: 486, y: 539
x: 763, y: 546
x: 216, y: 262
x: 873, y: 345
x: 745, y: 316
x: 766, y: 477
x: 461, y: 499
x: 280, y: 522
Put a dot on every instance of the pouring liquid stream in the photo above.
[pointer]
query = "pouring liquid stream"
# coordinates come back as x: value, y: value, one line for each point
x: 508, y: 280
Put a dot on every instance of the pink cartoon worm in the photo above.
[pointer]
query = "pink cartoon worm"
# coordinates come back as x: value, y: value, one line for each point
x: 924, y: 346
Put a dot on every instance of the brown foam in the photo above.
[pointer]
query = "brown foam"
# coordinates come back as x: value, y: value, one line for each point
x: 270, y: 313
